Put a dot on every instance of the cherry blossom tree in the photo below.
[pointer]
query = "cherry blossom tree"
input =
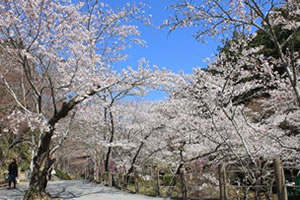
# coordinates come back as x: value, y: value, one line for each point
x: 237, y: 112
x: 251, y: 107
x: 65, y: 50
x: 136, y: 128
x: 117, y: 127
x: 15, y: 81
x: 219, y: 19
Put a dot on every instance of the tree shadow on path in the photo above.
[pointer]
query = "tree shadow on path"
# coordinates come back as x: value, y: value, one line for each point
x: 86, y: 190
x: 79, y: 190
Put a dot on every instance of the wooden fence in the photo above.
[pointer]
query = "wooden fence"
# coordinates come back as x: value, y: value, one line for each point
x: 281, y: 187
x: 155, y: 184
x: 181, y: 183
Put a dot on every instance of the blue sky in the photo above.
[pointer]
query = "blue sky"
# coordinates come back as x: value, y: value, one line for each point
x: 178, y: 51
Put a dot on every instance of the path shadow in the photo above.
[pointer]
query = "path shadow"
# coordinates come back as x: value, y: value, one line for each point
x: 76, y: 189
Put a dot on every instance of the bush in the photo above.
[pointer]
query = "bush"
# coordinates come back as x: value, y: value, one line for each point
x: 62, y: 175
x: 167, y: 179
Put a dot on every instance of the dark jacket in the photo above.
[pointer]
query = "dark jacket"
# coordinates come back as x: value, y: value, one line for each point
x: 13, y: 169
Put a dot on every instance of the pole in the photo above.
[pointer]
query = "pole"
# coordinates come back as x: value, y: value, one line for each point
x: 280, y: 179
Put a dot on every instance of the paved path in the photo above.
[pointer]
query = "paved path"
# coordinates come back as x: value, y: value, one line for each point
x: 80, y: 190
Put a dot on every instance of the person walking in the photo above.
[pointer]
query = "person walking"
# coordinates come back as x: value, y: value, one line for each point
x: 12, y: 173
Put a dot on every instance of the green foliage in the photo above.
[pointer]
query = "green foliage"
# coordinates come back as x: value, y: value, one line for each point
x: 231, y: 56
x: 24, y: 156
x: 145, y: 187
x: 62, y: 175
x: 131, y: 180
x: 21, y: 152
x: 24, y: 165
x: 167, y: 179
x: 18, y: 147
x: 262, y: 38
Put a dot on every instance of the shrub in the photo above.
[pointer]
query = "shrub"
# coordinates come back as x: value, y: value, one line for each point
x: 62, y: 175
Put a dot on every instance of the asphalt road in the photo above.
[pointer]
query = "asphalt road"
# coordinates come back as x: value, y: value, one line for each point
x: 80, y: 190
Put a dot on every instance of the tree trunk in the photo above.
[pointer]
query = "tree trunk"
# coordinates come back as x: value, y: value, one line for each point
x: 132, y: 167
x: 136, y: 181
x: 173, y: 181
x: 41, y: 161
x: 97, y: 164
x: 107, y: 159
x: 112, y: 133
x: 183, y: 184
x: 156, y: 181
x: 41, y: 166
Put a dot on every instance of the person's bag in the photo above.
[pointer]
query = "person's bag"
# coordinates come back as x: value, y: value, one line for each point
x: 17, y: 180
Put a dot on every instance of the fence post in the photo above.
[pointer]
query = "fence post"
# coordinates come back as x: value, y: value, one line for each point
x: 109, y: 177
x: 280, y: 180
x: 222, y: 182
x: 293, y: 180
